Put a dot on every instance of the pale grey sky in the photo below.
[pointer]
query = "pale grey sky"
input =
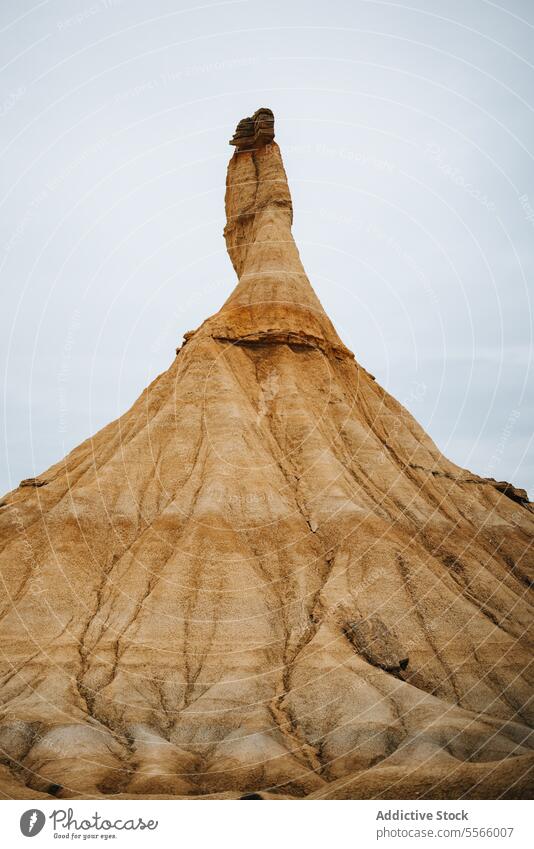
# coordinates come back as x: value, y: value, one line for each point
x: 406, y: 130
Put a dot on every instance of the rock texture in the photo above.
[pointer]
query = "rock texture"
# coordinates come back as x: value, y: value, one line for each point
x: 265, y: 578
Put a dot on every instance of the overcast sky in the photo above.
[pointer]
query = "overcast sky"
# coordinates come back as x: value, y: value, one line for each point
x: 406, y: 131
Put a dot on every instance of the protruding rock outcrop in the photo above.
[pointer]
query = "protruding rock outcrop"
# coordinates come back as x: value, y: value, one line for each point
x: 264, y: 579
x: 254, y: 132
x: 376, y: 643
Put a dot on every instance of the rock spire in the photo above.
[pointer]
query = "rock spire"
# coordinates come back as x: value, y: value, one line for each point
x: 264, y: 579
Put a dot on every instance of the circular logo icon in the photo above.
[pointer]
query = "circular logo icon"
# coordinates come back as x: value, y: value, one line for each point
x: 31, y: 822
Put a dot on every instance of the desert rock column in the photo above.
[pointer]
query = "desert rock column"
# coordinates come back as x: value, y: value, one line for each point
x: 274, y: 298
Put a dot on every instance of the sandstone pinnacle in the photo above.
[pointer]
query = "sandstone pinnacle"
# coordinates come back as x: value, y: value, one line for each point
x: 264, y: 579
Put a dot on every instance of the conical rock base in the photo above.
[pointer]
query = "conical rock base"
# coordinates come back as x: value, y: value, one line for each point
x: 265, y: 577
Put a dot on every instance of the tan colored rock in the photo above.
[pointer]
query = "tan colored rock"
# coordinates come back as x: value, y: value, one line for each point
x: 374, y: 641
x: 217, y: 593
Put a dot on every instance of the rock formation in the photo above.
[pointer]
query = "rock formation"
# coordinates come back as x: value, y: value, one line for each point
x: 254, y: 132
x: 264, y: 578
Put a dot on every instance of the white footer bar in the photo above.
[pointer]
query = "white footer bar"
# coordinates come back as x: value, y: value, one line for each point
x: 221, y: 824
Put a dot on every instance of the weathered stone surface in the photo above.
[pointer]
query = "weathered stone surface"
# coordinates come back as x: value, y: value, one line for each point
x: 255, y: 131
x: 176, y: 598
x: 376, y: 643
x: 513, y: 492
